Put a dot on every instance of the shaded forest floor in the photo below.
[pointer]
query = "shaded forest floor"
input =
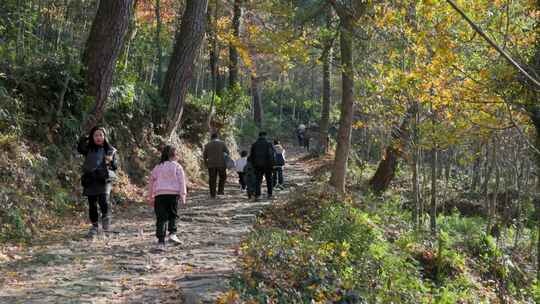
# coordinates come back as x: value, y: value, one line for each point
x: 123, y: 266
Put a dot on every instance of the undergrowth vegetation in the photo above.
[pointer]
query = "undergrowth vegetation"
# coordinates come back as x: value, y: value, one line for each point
x: 321, y: 248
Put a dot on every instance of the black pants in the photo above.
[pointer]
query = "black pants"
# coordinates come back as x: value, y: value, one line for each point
x: 213, y: 173
x: 166, y: 208
x: 242, y: 180
x: 267, y: 173
x: 277, y: 176
x: 93, y: 201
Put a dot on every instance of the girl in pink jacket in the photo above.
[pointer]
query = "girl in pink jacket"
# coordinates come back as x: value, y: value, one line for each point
x: 167, y: 188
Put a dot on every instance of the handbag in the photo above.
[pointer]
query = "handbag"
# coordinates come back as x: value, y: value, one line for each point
x: 86, y: 179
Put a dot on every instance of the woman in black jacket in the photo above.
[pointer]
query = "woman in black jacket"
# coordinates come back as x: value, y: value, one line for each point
x: 98, y: 170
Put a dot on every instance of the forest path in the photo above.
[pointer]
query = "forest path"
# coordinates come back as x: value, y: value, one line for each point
x: 124, y: 267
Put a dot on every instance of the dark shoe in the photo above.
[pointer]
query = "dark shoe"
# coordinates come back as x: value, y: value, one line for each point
x: 106, y: 224
x: 92, y: 232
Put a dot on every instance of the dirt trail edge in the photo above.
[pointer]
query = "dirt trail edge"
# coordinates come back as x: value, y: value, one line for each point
x: 124, y: 268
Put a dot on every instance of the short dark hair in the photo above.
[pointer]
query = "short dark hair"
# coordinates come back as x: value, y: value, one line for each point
x: 276, y: 141
x: 243, y: 153
x: 214, y: 136
x: 167, y: 153
x: 262, y: 134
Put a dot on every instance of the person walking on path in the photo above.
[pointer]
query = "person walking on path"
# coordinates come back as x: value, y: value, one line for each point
x: 166, y: 188
x: 277, y: 174
x: 262, y: 159
x: 214, y: 160
x: 98, y: 173
x: 240, y: 164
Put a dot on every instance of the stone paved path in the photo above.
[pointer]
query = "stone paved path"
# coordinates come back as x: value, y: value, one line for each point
x: 123, y: 267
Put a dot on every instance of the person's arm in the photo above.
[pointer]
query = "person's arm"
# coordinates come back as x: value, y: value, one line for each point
x: 113, y: 165
x: 205, y: 156
x: 225, y: 149
x: 150, y: 194
x: 250, y: 157
x: 183, y: 183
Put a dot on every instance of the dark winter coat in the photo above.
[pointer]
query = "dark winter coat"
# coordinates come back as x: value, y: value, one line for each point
x: 262, y: 154
x: 214, y: 154
x: 97, y: 177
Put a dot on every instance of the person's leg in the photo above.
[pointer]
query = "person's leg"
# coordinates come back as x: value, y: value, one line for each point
x: 268, y: 177
x: 280, y: 175
x: 259, y: 176
x: 212, y: 176
x: 241, y: 180
x: 172, y: 204
x: 93, y: 214
x: 274, y: 177
x: 105, y: 211
x: 92, y: 209
x: 160, y: 207
x: 222, y: 179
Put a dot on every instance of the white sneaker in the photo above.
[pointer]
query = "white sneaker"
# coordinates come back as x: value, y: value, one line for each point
x: 160, y: 247
x: 173, y: 238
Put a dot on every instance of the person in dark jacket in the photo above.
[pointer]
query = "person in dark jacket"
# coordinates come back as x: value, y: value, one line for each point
x: 262, y: 158
x: 100, y: 165
x: 214, y: 160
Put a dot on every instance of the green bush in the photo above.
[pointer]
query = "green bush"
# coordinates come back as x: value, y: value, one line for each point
x: 343, y: 259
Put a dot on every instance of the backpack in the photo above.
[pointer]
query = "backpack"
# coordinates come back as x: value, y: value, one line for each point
x: 279, y: 159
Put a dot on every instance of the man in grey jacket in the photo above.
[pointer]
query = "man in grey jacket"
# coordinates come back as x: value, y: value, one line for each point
x: 214, y: 160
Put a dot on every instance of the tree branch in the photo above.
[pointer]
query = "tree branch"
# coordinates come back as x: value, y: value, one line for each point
x: 494, y: 45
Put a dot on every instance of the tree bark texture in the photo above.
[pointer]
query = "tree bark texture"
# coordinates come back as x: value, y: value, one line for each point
x: 180, y: 70
x: 257, y: 102
x: 159, y: 52
x: 326, y: 102
x: 103, y: 47
x: 387, y: 166
x: 347, y: 104
x: 233, y: 53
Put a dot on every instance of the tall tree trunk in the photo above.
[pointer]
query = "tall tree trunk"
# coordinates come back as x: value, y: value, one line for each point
x: 180, y: 70
x: 476, y: 168
x: 233, y: 53
x: 103, y: 47
x: 387, y: 167
x: 257, y: 102
x: 214, y: 60
x: 131, y: 33
x: 325, y: 111
x: 347, y: 105
x: 492, y: 208
x: 489, y: 168
x: 434, y: 154
x: 159, y: 52
x: 415, y: 151
x: 433, y: 208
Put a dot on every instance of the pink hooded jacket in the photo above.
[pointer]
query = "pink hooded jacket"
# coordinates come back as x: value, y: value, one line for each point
x: 167, y: 178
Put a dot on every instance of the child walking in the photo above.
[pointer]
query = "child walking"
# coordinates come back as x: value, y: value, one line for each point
x: 277, y: 173
x: 167, y: 188
x: 240, y: 164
